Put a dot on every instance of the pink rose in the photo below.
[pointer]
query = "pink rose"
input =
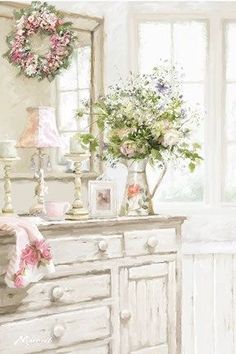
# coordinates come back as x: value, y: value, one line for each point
x: 18, y: 280
x: 30, y: 255
x: 61, y: 21
x: 44, y: 249
x: 133, y: 190
x: 128, y: 149
x: 16, y: 56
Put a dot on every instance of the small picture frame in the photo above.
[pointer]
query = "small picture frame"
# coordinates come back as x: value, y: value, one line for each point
x: 102, y: 199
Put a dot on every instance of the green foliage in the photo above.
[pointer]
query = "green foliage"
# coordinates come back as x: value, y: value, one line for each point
x: 89, y: 139
x: 147, y: 117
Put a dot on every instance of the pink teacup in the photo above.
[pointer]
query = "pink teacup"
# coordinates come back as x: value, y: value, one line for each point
x: 56, y: 210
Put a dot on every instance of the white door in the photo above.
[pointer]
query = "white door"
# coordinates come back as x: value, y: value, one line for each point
x: 148, y: 309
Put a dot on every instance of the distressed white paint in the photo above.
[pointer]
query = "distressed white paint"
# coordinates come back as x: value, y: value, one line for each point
x: 146, y: 293
x: 105, y: 301
x: 74, y: 290
x: 209, y: 306
x: 93, y: 324
x: 94, y: 280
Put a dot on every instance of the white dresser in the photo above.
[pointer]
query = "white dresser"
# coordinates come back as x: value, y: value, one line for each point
x: 117, y: 290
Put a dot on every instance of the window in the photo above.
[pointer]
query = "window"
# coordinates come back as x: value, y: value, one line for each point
x: 184, y: 44
x: 229, y: 141
x: 82, y: 82
x: 73, y: 90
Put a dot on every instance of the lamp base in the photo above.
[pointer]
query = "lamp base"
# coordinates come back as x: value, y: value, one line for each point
x: 77, y: 214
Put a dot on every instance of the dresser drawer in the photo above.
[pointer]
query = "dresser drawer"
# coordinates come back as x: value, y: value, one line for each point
x: 55, y: 293
x: 86, y: 248
x: 80, y: 349
x: 51, y: 332
x: 149, y: 242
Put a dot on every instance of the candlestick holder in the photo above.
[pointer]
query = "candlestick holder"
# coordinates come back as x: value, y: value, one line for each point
x: 7, y: 162
x: 77, y: 210
x: 39, y: 207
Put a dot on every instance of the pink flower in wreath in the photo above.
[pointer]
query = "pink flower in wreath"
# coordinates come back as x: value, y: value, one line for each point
x: 133, y: 190
x: 44, y: 249
x: 30, y: 255
x: 18, y: 280
x: 16, y: 56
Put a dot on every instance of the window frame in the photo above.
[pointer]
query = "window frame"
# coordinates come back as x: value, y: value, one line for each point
x: 215, y: 17
x: 96, y: 86
x: 58, y: 91
x: 225, y: 141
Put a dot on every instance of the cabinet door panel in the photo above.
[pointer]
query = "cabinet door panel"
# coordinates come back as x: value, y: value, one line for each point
x: 148, y: 309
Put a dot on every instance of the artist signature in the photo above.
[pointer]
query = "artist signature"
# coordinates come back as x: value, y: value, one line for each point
x: 27, y: 340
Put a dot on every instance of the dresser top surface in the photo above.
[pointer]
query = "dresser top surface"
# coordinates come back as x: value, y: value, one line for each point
x: 136, y: 220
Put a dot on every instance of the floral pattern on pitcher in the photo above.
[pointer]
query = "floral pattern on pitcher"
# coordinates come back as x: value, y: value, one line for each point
x: 137, y: 202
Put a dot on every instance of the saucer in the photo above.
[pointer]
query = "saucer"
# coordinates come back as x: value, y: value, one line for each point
x: 54, y: 218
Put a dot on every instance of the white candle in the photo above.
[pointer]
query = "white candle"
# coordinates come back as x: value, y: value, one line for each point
x: 76, y: 147
x: 8, y: 148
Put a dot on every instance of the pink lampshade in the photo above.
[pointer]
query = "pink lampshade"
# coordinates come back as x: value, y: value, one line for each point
x: 40, y: 130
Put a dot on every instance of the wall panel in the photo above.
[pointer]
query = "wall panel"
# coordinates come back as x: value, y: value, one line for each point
x: 209, y: 303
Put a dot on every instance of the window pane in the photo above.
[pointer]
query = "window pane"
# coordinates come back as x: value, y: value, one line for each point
x: 230, y: 111
x: 230, y: 178
x: 67, y: 80
x: 189, y: 42
x: 68, y: 104
x: 178, y: 185
x: 194, y: 97
x: 73, y: 90
x: 189, y: 50
x: 230, y: 51
x: 84, y: 67
x: 230, y: 114
x: 84, y: 96
x: 154, y: 44
x: 83, y: 122
x: 62, y: 160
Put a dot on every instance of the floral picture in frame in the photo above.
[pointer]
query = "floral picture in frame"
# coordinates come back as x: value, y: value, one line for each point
x: 102, y: 199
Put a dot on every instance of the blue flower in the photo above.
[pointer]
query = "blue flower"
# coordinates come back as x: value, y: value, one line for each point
x: 105, y: 146
x: 162, y: 86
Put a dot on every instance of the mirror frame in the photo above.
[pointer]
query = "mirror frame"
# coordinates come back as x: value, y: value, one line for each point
x: 95, y: 26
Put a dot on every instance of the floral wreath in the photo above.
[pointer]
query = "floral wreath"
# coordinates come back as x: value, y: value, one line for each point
x: 43, y: 19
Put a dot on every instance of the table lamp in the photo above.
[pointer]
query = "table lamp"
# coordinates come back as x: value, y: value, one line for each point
x: 40, y: 133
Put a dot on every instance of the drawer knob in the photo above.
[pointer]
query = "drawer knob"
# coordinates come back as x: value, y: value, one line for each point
x: 58, y: 331
x: 57, y: 292
x: 125, y: 315
x: 102, y: 245
x: 152, y: 242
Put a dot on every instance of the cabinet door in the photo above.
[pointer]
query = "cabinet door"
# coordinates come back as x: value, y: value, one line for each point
x: 148, y: 309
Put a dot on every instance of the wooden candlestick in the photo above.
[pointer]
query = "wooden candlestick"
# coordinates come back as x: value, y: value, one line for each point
x: 7, y: 208
x: 77, y: 210
x: 39, y: 207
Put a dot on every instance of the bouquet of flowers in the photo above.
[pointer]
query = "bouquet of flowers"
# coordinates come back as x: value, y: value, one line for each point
x: 146, y: 117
